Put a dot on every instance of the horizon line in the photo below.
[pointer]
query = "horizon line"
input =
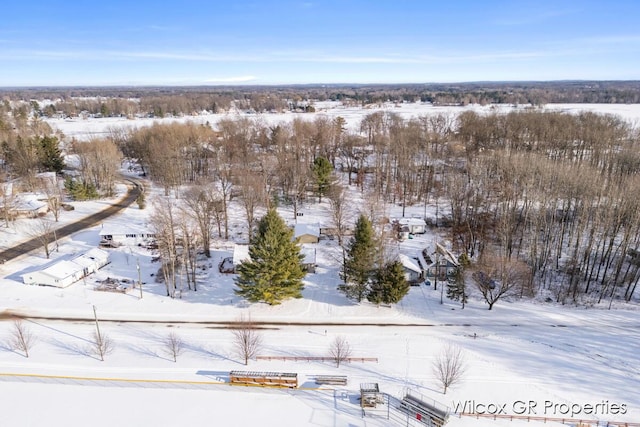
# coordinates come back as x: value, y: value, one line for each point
x: 317, y: 84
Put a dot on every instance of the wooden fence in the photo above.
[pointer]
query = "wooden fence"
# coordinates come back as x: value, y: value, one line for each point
x: 572, y: 421
x: 316, y: 359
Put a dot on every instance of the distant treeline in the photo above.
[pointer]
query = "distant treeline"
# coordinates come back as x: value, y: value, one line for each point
x: 161, y: 101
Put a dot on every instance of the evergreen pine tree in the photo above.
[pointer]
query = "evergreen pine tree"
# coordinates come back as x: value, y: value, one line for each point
x: 389, y: 285
x: 49, y: 154
x: 457, y: 290
x: 322, y: 176
x: 274, y: 272
x: 359, y: 264
x: 80, y: 190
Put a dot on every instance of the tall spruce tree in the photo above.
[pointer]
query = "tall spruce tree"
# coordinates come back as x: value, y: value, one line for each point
x: 457, y: 289
x: 359, y: 264
x: 389, y: 285
x: 322, y: 169
x: 274, y: 271
x: 51, y: 159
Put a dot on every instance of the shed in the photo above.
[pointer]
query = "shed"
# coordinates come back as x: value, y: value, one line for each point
x: 416, y: 225
x: 309, y: 260
x: 370, y: 395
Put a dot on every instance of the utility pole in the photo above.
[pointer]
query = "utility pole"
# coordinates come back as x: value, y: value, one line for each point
x: 435, y: 286
x: 139, y: 281
x: 438, y: 274
x: 95, y: 314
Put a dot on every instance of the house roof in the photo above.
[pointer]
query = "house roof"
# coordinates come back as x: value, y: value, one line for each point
x: 447, y: 254
x: 409, y: 263
x: 90, y: 257
x: 28, y: 203
x: 62, y: 269
x: 96, y: 253
x: 302, y: 229
x: 412, y: 221
x: 309, y: 255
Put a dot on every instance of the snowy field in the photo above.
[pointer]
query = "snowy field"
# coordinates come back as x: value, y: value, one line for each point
x: 83, y: 129
x: 556, y: 360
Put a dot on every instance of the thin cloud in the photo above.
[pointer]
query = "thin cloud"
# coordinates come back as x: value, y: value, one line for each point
x: 571, y: 48
x: 533, y: 18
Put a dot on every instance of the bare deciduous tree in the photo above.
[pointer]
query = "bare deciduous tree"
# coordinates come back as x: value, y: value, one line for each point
x: 101, y: 345
x: 8, y: 202
x: 21, y: 337
x: 341, y: 216
x: 50, y: 186
x: 449, y: 367
x: 164, y: 222
x: 251, y: 188
x: 43, y: 230
x: 99, y: 162
x: 247, y: 340
x: 199, y: 203
x: 340, y: 350
x: 173, y: 345
x: 498, y: 276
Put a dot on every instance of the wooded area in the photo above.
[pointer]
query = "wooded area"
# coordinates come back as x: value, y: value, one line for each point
x: 539, y: 200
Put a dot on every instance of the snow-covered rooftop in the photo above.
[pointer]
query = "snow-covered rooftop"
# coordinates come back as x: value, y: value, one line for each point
x: 303, y: 229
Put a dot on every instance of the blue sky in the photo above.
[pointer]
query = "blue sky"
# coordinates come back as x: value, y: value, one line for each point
x: 191, y: 42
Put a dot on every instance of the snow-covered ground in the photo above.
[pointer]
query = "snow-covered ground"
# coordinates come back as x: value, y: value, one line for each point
x: 83, y: 129
x: 549, y: 355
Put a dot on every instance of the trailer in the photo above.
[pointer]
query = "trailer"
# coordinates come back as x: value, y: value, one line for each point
x: 264, y: 379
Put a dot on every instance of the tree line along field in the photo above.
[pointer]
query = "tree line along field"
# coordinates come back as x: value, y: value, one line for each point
x: 544, y: 203
x: 163, y: 101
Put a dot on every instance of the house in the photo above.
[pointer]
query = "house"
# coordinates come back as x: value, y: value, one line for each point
x: 114, y: 234
x: 241, y: 253
x: 63, y: 273
x: 306, y: 233
x: 437, y: 261
x: 412, y: 271
x: 415, y: 225
x: 27, y: 206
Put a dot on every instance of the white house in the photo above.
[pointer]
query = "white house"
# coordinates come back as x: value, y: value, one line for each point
x: 63, y: 273
x: 115, y: 234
